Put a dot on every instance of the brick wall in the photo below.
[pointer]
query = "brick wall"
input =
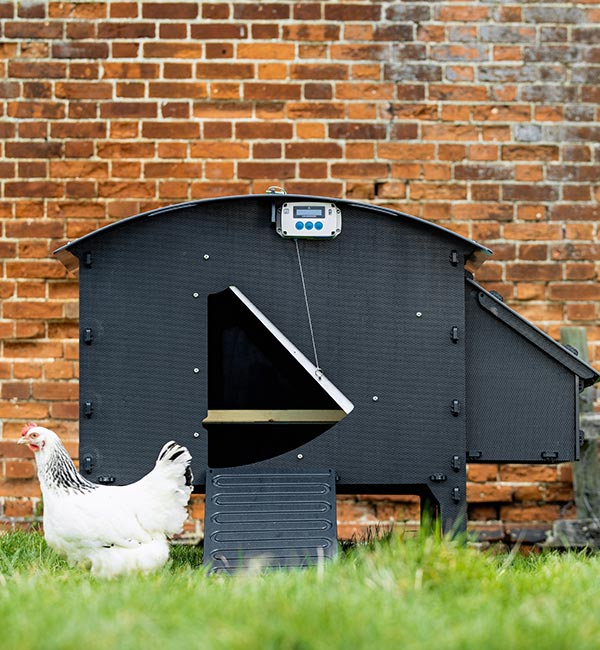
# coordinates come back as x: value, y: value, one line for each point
x: 482, y: 116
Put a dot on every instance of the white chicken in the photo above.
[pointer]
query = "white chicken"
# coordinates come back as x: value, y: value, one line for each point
x: 112, y: 529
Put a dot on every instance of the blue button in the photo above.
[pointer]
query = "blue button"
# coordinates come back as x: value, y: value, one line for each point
x: 319, y: 225
x: 299, y: 225
x: 309, y: 225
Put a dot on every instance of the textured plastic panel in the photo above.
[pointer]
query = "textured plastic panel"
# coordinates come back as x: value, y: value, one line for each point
x: 522, y: 402
x: 384, y: 298
x: 256, y: 519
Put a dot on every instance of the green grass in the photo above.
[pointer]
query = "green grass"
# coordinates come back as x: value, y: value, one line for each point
x: 398, y: 593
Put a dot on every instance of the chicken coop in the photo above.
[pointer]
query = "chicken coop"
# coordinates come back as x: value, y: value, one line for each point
x: 303, y: 347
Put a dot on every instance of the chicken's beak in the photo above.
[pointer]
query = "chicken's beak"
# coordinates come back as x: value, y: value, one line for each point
x: 23, y: 440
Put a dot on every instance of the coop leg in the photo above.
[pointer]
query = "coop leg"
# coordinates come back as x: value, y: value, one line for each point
x: 444, y: 511
x: 430, y: 514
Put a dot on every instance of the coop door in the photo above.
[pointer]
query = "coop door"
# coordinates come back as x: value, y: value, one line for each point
x: 265, y: 397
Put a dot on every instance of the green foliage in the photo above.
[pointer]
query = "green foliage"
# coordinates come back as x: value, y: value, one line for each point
x: 422, y: 592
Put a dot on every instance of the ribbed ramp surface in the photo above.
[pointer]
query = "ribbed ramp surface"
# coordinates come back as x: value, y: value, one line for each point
x: 258, y: 519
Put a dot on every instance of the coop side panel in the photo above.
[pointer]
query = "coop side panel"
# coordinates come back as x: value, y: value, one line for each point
x: 521, y: 402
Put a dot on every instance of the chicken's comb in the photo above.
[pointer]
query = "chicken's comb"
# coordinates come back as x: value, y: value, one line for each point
x: 25, y: 430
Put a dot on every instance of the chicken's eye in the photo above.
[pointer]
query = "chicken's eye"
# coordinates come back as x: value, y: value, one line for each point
x: 33, y: 435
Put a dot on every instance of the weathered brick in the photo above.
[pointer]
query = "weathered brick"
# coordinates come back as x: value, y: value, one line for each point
x: 349, y: 12
x: 357, y: 131
x: 33, y: 29
x: 79, y: 50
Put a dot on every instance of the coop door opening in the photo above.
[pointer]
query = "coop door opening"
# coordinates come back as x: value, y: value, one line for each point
x: 265, y: 397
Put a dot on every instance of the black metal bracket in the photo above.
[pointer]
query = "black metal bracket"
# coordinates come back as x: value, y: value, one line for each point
x: 438, y: 478
x: 87, y: 464
x: 454, y: 334
x: 550, y: 456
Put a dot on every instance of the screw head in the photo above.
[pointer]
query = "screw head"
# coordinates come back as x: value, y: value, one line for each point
x: 196, y: 370
x: 375, y: 398
x: 196, y: 294
x: 419, y: 314
x: 206, y: 256
x: 196, y: 434
x: 300, y: 456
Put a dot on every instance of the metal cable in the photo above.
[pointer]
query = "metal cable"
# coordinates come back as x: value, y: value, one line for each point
x: 310, y: 325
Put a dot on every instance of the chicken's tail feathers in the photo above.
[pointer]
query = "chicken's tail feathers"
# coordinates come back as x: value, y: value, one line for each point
x: 179, y: 456
x: 176, y: 460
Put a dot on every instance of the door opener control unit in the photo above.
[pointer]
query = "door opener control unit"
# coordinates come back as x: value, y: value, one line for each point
x: 309, y: 220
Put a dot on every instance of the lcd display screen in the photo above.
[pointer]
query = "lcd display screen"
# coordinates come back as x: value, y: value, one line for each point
x: 309, y: 212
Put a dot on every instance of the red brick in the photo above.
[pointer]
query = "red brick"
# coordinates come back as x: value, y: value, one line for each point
x: 171, y: 89
x: 326, y: 32
x: 224, y: 70
x: 37, y: 69
x: 18, y: 508
x: 33, y: 149
x: 169, y: 50
x: 574, y: 291
x: 313, y: 150
x: 220, y: 31
x: 170, y: 10
x: 270, y: 91
x: 534, y: 271
x: 349, y: 12
x: 19, y: 469
x: 266, y: 170
x: 237, y: 150
x: 33, y: 29
x: 215, y: 11
x: 55, y: 391
x: 83, y: 90
x: 359, y: 170
x: 483, y: 493
x: 172, y: 130
x: 457, y: 92
x: 30, y: 189
x: 276, y: 50
x: 219, y: 50
x: 530, y: 513
x: 482, y: 473
x: 263, y: 130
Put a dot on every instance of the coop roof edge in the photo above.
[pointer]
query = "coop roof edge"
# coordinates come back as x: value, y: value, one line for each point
x: 474, y: 259
x: 587, y: 373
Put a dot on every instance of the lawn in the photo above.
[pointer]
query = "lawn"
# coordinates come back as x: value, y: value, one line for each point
x: 397, y: 593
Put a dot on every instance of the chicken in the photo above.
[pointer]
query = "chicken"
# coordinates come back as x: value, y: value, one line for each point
x: 112, y: 529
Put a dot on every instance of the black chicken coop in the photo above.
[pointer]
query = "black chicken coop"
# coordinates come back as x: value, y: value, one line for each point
x: 301, y: 347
